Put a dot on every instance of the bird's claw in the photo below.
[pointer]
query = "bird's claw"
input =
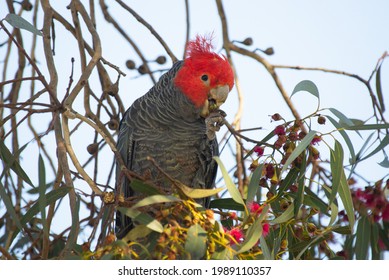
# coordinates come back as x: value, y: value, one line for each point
x: 213, y: 122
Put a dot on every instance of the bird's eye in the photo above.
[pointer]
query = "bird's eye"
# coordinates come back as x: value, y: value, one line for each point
x: 204, y: 78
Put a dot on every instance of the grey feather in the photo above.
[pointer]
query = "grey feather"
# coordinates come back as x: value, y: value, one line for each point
x: 165, y: 125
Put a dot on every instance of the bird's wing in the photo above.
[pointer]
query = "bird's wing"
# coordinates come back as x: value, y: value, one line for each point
x: 125, y: 146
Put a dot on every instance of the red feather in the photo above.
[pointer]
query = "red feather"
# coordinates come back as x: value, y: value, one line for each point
x: 201, y: 60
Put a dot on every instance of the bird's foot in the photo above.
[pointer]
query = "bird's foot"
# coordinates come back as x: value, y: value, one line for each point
x: 213, y: 122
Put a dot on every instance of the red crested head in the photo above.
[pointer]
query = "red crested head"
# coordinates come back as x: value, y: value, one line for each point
x: 205, y: 75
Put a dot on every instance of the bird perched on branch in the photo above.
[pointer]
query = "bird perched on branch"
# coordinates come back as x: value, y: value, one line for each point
x: 174, y: 123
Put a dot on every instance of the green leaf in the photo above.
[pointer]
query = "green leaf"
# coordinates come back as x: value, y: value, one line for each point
x: 308, y: 86
x: 19, y: 22
x: 299, y: 149
x: 254, y: 183
x: 226, y: 203
x: 284, y: 217
x: 75, y: 228
x: 345, y: 196
x: 385, y: 162
x: 384, y: 142
x: 140, y: 231
x: 336, y: 163
x: 195, y: 243
x: 265, y: 249
x: 311, y: 199
x: 363, y: 238
x: 142, y: 218
x: 11, y: 162
x: 345, y: 137
x: 42, y: 193
x: 198, y: 193
x: 9, y: 206
x: 287, y: 182
x: 254, y: 232
x: 379, y: 89
x: 235, y: 194
x: 343, y: 120
x: 158, y: 198
x: 50, y: 197
x: 375, y: 250
x: 334, y: 214
x: 300, y: 186
x: 342, y: 230
x: 142, y: 187
x: 368, y: 126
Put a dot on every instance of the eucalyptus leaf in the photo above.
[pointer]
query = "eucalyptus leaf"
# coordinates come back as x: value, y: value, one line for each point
x: 158, y: 198
x: 232, y: 189
x: 284, y: 217
x: 195, y: 243
x: 379, y: 89
x: 308, y: 86
x: 299, y: 149
x: 19, y: 22
x: 254, y: 183
x: 363, y: 238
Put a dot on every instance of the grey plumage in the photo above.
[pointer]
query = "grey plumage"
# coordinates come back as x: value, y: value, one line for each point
x: 165, y: 125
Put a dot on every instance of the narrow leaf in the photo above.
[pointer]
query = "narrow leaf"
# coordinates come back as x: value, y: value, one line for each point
x: 384, y: 142
x: 254, y: 183
x: 19, y: 22
x: 235, y: 194
x: 9, y: 207
x: 142, y: 187
x: 345, y: 137
x: 300, y: 186
x: 363, y: 238
x: 385, y: 162
x: 42, y: 193
x: 198, y: 193
x: 11, y: 162
x: 379, y: 89
x: 336, y: 164
x: 284, y: 217
x: 334, y: 214
x: 287, y: 182
x: 308, y: 86
x: 195, y: 243
x: 254, y: 232
x: 158, y: 198
x: 368, y: 126
x: 345, y: 196
x: 226, y: 203
x: 265, y: 249
x: 142, y: 218
x: 299, y: 149
x: 51, y: 197
x: 343, y: 120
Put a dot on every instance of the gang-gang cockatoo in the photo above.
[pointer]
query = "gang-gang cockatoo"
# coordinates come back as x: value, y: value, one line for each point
x: 174, y: 123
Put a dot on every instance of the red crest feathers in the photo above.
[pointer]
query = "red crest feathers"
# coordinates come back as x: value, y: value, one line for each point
x: 199, y: 46
x: 201, y: 60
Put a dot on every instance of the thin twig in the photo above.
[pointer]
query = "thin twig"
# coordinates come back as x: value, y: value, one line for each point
x: 150, y: 28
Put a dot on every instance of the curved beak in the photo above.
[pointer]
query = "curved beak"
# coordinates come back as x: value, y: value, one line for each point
x: 216, y: 97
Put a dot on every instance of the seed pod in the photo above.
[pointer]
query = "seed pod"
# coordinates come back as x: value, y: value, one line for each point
x: 26, y: 5
x: 143, y: 69
x: 161, y: 59
x: 321, y: 120
x: 92, y: 148
x: 113, y: 124
x: 130, y: 64
x: 276, y: 117
x: 248, y: 41
x: 269, y: 51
